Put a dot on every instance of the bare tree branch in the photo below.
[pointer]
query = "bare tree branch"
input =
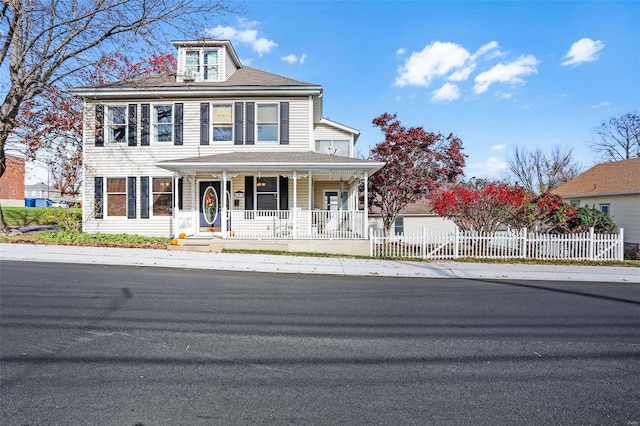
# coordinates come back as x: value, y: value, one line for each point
x: 538, y: 172
x: 618, y: 138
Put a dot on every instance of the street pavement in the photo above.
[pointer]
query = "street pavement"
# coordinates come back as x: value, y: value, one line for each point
x: 314, y: 265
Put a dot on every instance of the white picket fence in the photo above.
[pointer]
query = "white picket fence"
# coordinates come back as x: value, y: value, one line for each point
x: 431, y: 244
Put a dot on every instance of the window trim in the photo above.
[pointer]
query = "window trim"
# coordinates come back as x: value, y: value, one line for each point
x: 257, y: 122
x: 607, y: 206
x: 206, y: 67
x: 257, y: 192
x: 154, y: 136
x: 152, y: 194
x: 230, y: 104
x: 106, y: 200
x: 199, y: 73
x: 108, y: 125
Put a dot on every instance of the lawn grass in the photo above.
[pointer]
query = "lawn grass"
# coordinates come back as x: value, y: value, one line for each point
x: 25, y: 216
x: 76, y: 238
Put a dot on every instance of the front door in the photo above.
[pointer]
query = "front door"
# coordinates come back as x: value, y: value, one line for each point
x: 209, y: 208
x: 210, y: 201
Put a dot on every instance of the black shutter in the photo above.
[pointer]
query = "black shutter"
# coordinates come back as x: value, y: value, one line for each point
x: 248, y: 192
x: 144, y: 197
x: 98, y: 197
x: 180, y: 192
x: 239, y: 121
x: 284, y: 123
x: 131, y: 198
x: 204, y: 123
x: 250, y: 124
x: 144, y: 134
x: 99, y: 136
x: 284, y: 193
x: 178, y: 112
x: 133, y: 124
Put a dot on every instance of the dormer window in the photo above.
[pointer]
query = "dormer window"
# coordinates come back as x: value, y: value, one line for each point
x: 201, y: 65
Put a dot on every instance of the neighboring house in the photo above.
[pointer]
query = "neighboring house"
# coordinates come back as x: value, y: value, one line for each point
x: 219, y: 149
x: 412, y: 218
x: 41, y: 190
x: 12, y: 182
x: 614, y: 189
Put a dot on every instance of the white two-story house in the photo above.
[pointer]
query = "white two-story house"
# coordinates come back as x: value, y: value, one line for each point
x: 219, y: 150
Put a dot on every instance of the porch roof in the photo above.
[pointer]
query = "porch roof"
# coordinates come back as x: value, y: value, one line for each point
x: 273, y: 160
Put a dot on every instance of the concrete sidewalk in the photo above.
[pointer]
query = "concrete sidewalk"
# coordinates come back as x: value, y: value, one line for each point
x: 313, y: 265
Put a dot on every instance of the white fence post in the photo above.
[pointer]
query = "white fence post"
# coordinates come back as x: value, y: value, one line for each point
x: 621, y: 244
x: 371, y: 237
x: 424, y: 243
x: 592, y: 244
x: 524, y: 242
x: 456, y: 243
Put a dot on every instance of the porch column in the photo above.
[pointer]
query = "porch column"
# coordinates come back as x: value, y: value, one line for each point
x: 223, y: 196
x: 366, y: 205
x: 295, y: 204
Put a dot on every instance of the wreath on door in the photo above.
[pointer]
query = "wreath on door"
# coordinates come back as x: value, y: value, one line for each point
x: 210, y: 205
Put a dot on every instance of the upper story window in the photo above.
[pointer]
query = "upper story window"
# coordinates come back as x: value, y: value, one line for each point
x: 267, y: 122
x: 201, y: 64
x: 333, y: 147
x: 210, y: 65
x: 163, y: 123
x: 192, y: 63
x: 222, y: 122
x: 116, y: 124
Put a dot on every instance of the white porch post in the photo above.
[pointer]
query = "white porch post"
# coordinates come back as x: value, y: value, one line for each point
x: 223, y: 200
x: 366, y: 204
x: 295, y: 204
x: 174, y: 210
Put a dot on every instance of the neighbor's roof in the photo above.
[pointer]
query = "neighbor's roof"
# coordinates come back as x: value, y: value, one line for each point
x: 270, y: 161
x: 417, y: 208
x: 615, y: 178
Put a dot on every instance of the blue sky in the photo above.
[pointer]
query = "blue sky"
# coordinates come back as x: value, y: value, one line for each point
x: 497, y: 74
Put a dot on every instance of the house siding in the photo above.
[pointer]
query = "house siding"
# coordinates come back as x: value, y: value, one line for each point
x: 624, y: 209
x: 325, y: 132
x: 413, y: 224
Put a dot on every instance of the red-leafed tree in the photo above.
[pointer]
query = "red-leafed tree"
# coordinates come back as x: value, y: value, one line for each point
x: 480, y: 205
x: 417, y: 163
x: 483, y: 206
x: 49, y: 126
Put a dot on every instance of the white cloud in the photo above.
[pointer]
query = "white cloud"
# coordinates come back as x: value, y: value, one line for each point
x: 510, y: 73
x: 499, y: 147
x: 602, y: 104
x: 435, y: 60
x: 448, y: 92
x: 583, y: 50
x: 489, y: 50
x: 244, y: 34
x: 293, y: 59
x: 491, y: 168
x: 505, y: 95
x: 401, y: 51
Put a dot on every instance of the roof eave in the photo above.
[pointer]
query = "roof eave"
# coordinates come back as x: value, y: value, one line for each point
x: 194, y: 91
x: 600, y: 194
x: 372, y: 167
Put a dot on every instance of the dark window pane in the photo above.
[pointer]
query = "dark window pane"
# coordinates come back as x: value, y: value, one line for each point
x: 161, y: 184
x: 116, y: 185
x: 267, y: 184
x: 162, y: 205
x: 222, y: 134
x: 116, y: 205
x: 267, y: 202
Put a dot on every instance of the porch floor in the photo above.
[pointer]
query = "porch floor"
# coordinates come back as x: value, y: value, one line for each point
x: 217, y: 245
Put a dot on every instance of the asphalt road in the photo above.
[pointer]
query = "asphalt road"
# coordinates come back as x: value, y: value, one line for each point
x: 96, y: 345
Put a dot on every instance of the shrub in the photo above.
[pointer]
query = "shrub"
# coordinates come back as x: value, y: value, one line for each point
x: 66, y: 219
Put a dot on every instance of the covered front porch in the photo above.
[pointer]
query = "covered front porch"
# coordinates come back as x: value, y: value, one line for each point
x: 271, y: 196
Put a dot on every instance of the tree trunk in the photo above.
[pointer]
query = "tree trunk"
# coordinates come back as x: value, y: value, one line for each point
x: 8, y: 113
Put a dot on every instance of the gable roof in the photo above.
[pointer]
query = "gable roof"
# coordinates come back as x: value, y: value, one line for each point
x: 420, y: 207
x: 615, y: 178
x: 244, y: 79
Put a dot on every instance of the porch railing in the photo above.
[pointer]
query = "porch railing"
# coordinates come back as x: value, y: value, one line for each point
x: 297, y: 224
